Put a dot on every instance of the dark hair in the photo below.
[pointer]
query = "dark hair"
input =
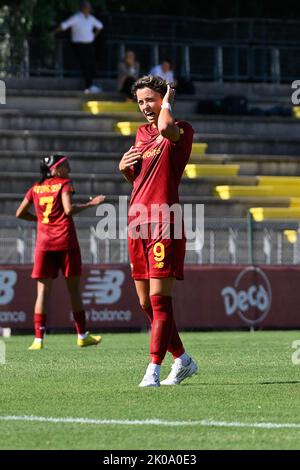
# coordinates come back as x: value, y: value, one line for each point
x: 166, y: 59
x: 47, y: 163
x: 149, y: 81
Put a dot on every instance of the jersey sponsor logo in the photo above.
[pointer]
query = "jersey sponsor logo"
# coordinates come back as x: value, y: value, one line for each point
x: 47, y: 188
x: 250, y: 297
x: 151, y: 153
x: 159, y: 265
x: 103, y: 288
x: 7, y: 281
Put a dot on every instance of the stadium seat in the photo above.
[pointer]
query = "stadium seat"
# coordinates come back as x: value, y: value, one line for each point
x: 278, y: 180
x: 194, y: 170
x: 277, y: 190
x: 97, y: 107
x: 127, y: 127
x: 296, y: 112
x: 291, y: 235
x: 228, y: 192
x: 260, y: 214
x: 198, y: 149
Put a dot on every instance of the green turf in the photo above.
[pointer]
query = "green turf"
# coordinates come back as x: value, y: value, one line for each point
x: 244, y: 377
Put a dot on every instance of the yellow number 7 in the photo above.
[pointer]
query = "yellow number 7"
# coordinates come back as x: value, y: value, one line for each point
x: 48, y: 200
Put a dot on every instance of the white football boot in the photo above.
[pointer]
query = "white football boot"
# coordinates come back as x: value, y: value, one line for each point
x: 180, y: 372
x: 151, y: 378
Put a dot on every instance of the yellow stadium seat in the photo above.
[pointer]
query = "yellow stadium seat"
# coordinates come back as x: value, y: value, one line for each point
x: 99, y: 107
x: 291, y: 235
x: 296, y: 112
x: 194, y: 170
x: 198, y: 149
x: 278, y: 180
x: 272, y: 213
x: 228, y: 192
x: 295, y: 202
x: 127, y: 127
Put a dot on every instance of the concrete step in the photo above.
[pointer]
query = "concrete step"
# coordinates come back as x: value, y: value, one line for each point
x: 213, y: 207
x: 115, y: 184
x: 15, y: 119
x: 65, y: 141
x: 45, y: 100
x: 250, y: 144
x: 81, y: 162
x: 85, y: 184
x: 56, y: 84
x: 102, y: 162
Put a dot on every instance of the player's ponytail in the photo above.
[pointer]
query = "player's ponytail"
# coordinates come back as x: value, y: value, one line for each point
x: 45, y: 172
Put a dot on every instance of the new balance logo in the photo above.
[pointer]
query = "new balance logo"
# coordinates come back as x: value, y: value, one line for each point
x: 7, y: 281
x: 103, y: 288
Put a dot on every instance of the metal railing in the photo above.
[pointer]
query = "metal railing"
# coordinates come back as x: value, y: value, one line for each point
x: 231, y: 241
x: 222, y: 50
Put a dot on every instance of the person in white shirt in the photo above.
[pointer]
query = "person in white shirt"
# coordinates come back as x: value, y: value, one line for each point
x: 164, y: 70
x: 85, y: 28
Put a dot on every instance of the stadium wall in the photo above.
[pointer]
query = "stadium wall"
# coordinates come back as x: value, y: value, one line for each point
x: 211, y: 296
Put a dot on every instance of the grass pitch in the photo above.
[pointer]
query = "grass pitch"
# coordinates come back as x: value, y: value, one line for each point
x: 244, y: 379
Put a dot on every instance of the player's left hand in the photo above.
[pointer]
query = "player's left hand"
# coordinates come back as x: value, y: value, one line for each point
x: 95, y: 201
x: 169, y: 96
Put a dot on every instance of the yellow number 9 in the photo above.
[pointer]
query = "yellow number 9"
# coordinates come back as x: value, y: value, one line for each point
x: 159, y: 252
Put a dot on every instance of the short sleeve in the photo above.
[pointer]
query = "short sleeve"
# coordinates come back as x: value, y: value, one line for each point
x: 29, y: 195
x: 68, y: 187
x: 68, y: 23
x: 98, y: 24
x: 186, y: 132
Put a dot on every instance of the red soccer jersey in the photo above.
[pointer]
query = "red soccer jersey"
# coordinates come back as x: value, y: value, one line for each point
x: 55, y: 230
x: 157, y: 176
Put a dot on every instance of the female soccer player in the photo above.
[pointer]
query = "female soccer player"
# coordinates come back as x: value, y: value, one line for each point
x: 57, y: 245
x: 154, y: 165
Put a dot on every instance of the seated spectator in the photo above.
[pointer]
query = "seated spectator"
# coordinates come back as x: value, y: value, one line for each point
x: 164, y: 70
x: 128, y: 73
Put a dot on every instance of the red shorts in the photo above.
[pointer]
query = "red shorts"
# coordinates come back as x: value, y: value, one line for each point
x: 48, y: 263
x: 156, y: 256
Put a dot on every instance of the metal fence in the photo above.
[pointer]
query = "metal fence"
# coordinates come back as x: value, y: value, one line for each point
x: 223, y: 50
x: 232, y: 241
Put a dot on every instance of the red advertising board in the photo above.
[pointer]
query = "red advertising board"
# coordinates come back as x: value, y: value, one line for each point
x: 214, y: 296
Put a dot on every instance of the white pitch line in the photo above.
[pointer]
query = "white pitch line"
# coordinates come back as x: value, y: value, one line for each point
x: 151, y: 422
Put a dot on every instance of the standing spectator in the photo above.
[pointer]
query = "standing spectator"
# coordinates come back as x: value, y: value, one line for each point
x: 128, y: 73
x: 164, y: 70
x: 85, y: 28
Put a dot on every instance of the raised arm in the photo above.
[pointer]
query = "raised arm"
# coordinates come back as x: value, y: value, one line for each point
x: 72, y: 209
x: 166, y: 121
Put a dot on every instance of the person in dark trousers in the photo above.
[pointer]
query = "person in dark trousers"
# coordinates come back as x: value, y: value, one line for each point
x: 128, y: 73
x: 85, y: 28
